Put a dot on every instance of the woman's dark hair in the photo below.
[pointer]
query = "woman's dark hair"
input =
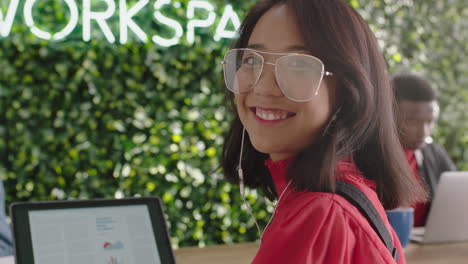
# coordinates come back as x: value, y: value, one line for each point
x: 411, y: 87
x: 364, y: 128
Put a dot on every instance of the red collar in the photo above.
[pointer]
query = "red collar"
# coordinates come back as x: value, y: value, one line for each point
x: 278, y: 170
x: 345, y: 170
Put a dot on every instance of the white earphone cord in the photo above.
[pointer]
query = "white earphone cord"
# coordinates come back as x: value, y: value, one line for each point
x: 274, y: 210
x: 242, y: 191
x: 241, y: 184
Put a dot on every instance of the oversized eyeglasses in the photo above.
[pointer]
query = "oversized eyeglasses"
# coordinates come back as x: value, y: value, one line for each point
x: 298, y: 75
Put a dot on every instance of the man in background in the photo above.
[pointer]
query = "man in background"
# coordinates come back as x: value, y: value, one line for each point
x: 417, y: 113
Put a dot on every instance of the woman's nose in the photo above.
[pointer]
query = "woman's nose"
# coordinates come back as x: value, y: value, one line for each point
x: 267, y: 84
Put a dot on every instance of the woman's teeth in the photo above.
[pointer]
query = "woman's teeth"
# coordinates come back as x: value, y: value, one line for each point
x: 271, y: 115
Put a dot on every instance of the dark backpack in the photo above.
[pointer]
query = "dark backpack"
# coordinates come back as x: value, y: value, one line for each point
x: 365, y: 206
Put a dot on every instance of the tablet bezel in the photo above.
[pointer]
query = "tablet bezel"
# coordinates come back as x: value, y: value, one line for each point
x: 22, y: 233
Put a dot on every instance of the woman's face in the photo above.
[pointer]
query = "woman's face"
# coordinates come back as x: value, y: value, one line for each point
x: 277, y: 125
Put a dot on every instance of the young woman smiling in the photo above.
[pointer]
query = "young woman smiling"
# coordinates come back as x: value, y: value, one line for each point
x: 313, y: 106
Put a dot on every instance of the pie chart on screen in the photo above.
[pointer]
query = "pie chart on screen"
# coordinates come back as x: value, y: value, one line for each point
x: 113, y: 246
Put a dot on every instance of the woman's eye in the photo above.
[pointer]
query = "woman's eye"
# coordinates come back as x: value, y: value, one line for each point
x: 251, y: 60
x: 298, y: 64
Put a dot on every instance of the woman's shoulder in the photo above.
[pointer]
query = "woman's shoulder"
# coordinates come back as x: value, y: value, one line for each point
x: 311, y: 202
x: 336, y: 206
x: 311, y: 206
x: 334, y: 218
x: 331, y: 219
x: 324, y: 204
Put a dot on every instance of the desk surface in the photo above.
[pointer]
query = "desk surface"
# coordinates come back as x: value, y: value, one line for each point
x: 453, y: 253
x: 225, y: 254
x: 456, y: 253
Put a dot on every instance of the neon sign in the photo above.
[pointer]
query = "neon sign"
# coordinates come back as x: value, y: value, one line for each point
x: 126, y: 22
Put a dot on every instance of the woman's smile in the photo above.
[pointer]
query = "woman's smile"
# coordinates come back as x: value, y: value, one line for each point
x: 271, y: 115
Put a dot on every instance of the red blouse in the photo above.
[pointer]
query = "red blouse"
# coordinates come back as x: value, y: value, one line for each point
x: 316, y: 227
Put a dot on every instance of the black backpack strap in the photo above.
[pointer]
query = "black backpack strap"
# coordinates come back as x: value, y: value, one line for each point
x: 365, y: 206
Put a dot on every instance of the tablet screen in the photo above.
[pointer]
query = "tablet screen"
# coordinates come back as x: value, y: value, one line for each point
x: 111, y: 235
x: 124, y: 231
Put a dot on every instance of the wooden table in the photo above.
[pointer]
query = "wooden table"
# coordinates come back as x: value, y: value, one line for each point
x: 222, y: 254
x: 244, y: 253
x: 453, y: 253
x: 456, y: 253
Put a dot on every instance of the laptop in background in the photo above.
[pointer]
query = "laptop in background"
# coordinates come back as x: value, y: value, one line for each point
x: 448, y: 218
x: 110, y: 231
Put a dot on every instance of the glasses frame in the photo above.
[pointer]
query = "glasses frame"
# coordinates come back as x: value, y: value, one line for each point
x: 277, y: 75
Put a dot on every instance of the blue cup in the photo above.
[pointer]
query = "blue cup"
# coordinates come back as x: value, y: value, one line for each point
x: 401, y: 219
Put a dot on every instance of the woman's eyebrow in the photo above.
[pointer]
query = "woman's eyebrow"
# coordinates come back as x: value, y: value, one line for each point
x: 297, y: 47
x: 289, y: 48
x: 256, y: 46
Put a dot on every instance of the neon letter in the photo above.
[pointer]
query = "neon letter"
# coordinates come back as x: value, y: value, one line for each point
x: 5, y: 26
x: 100, y: 18
x: 221, y: 31
x: 179, y: 31
x: 127, y: 22
x: 192, y: 24
x: 28, y: 18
